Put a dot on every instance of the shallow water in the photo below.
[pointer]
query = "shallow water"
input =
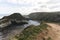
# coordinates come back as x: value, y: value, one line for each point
x: 10, y: 32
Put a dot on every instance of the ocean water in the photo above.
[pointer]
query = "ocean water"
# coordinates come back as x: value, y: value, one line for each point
x: 32, y: 22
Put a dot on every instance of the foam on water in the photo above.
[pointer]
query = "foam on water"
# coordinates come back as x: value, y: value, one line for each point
x: 31, y: 22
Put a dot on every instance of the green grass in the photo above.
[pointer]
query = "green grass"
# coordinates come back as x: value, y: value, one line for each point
x: 49, y: 38
x: 30, y: 32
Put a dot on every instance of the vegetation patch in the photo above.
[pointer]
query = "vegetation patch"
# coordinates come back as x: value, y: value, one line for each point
x: 31, y: 32
x: 49, y: 38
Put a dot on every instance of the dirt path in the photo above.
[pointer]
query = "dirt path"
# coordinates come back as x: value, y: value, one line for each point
x: 56, y: 30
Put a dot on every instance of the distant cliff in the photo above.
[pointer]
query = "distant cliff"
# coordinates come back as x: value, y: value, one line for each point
x: 13, y: 19
x: 46, y: 16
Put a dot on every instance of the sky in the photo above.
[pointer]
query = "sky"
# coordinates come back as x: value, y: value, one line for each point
x: 25, y: 7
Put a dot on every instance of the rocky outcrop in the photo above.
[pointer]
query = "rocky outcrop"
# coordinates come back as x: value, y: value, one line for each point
x: 14, y: 19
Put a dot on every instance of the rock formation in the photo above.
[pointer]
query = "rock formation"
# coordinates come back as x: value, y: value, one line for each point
x: 13, y: 19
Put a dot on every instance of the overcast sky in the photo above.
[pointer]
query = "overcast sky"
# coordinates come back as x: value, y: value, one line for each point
x: 27, y: 6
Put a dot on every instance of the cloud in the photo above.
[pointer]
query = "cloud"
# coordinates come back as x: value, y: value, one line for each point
x: 28, y: 6
x: 10, y: 10
x: 14, y: 3
x: 54, y: 1
x: 51, y: 5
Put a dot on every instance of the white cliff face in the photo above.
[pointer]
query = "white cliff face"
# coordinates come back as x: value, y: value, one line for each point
x: 5, y: 24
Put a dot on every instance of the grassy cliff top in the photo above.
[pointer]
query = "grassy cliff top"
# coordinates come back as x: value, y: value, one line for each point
x: 30, y: 32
